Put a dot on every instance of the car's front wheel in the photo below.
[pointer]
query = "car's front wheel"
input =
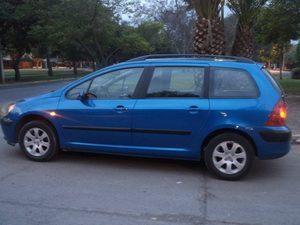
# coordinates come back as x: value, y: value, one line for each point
x: 38, y: 141
x: 229, y: 156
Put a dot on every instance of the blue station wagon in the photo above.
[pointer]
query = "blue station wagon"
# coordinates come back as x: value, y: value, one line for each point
x: 220, y: 109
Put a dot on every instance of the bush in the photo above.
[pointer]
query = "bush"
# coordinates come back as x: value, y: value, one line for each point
x: 296, y: 73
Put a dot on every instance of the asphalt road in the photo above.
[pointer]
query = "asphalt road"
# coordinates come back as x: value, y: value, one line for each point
x: 13, y: 93
x: 81, y: 189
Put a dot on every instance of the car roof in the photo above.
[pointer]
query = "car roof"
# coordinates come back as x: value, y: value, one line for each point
x: 193, y: 57
x: 211, y: 60
x: 196, y: 62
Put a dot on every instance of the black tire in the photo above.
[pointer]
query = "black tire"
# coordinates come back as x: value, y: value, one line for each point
x: 229, y: 138
x: 52, y: 139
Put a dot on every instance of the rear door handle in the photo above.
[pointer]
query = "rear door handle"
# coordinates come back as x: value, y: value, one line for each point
x: 121, y: 109
x: 193, y: 109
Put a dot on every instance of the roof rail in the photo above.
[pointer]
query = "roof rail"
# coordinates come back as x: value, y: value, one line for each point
x: 193, y: 56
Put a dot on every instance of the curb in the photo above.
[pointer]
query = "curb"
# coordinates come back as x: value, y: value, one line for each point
x: 36, y: 82
x: 296, y: 139
x: 293, y: 96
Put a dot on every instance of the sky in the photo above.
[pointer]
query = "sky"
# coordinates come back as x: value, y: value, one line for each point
x: 227, y: 11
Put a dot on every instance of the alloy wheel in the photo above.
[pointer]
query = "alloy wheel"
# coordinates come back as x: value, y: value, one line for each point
x: 229, y: 157
x: 36, y: 142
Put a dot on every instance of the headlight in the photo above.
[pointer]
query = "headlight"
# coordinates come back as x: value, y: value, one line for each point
x: 6, y: 109
x: 11, y: 108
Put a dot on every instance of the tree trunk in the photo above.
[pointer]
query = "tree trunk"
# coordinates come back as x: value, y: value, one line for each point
x: 94, y: 65
x: 49, y: 65
x: 2, y: 76
x: 244, y: 44
x: 16, y: 68
x: 209, y: 37
x: 281, y: 62
x: 75, y: 68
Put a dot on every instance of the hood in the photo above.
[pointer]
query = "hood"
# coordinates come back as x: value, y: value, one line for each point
x: 51, y: 94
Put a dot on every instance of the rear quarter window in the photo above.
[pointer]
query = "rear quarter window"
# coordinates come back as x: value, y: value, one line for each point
x: 232, y: 83
x: 272, y: 80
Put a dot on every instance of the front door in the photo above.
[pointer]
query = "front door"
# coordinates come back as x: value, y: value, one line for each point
x: 168, y: 121
x: 102, y: 121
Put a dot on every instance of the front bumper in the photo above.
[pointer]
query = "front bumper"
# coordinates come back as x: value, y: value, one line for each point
x: 6, y: 121
x: 8, y: 128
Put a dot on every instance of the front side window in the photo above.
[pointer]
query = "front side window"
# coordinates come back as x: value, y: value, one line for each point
x: 232, y: 83
x: 78, y: 91
x: 117, y: 84
x: 177, y: 82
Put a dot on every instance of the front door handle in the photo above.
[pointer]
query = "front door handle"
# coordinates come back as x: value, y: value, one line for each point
x: 193, y: 109
x: 121, y: 109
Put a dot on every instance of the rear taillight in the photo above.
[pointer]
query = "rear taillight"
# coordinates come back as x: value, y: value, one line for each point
x: 278, y: 115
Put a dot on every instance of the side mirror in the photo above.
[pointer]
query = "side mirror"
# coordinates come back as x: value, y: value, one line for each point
x: 87, y: 96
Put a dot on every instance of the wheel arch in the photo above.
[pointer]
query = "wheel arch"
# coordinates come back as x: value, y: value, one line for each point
x: 34, y: 117
x: 226, y: 130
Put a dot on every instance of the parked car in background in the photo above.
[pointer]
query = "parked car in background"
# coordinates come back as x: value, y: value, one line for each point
x: 224, y: 110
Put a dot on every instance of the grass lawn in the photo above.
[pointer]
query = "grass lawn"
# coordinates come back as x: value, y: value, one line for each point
x: 290, y: 86
x: 40, y: 74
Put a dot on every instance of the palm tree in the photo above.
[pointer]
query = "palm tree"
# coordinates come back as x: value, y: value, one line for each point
x: 247, y: 12
x: 209, y: 32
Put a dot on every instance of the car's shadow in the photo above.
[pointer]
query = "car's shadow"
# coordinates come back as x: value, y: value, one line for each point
x: 125, y: 162
x: 261, y: 170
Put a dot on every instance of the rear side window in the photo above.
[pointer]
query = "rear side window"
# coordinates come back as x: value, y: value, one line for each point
x: 176, y: 82
x: 232, y: 83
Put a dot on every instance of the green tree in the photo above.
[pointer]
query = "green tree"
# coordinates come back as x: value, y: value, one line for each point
x: 154, y: 33
x: 281, y: 30
x: 15, y: 22
x: 89, y: 24
x: 97, y: 33
x: 44, y: 31
x: 71, y: 51
x: 130, y: 44
x: 172, y: 19
x: 298, y: 53
x: 19, y: 40
x: 5, y: 23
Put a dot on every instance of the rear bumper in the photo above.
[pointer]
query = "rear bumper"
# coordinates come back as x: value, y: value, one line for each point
x: 276, y: 136
x: 273, y: 142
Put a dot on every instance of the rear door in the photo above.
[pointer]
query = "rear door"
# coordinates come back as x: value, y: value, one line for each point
x: 168, y: 119
x: 234, y: 99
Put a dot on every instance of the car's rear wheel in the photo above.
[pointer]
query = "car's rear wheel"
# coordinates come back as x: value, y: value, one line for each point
x: 229, y: 156
x: 38, y: 141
